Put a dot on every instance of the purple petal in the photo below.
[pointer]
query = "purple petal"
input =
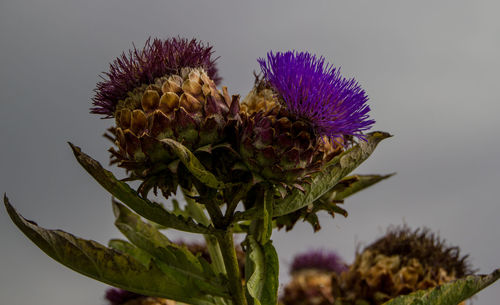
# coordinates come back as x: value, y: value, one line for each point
x: 316, y: 92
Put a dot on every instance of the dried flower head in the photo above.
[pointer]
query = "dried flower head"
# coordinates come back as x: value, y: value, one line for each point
x: 316, y: 93
x: 158, y: 58
x: 425, y: 246
x: 319, y: 260
x: 399, y: 263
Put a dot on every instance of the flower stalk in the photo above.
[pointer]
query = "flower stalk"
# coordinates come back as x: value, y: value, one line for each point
x: 226, y: 243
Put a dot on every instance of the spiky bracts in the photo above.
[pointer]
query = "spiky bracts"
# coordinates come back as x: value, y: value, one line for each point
x: 399, y: 263
x: 156, y: 59
x: 278, y: 146
x: 187, y: 108
x: 317, y: 93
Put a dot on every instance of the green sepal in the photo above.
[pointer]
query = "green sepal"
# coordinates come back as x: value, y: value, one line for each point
x: 174, y: 260
x: 193, y: 164
x: 451, y: 293
x: 325, y: 180
x: 123, y: 192
x: 261, y: 273
x: 107, y: 265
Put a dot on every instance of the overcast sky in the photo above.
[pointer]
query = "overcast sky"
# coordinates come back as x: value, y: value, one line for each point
x: 431, y: 69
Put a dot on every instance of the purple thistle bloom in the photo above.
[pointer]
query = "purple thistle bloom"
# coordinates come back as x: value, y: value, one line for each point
x: 316, y: 92
x: 117, y: 296
x: 158, y: 58
x: 320, y: 260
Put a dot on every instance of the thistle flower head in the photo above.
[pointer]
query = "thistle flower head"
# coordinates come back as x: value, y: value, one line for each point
x: 319, y: 260
x: 316, y: 93
x: 425, y: 246
x: 156, y: 59
x: 401, y: 262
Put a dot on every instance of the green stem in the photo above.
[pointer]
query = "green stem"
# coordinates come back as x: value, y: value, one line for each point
x: 197, y: 212
x: 233, y: 271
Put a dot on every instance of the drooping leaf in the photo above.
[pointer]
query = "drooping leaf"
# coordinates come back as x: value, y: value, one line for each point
x: 351, y: 185
x: 325, y: 180
x: 127, y: 248
x: 193, y: 164
x: 451, y: 293
x: 261, y: 273
x: 174, y: 260
x: 123, y: 192
x: 107, y: 265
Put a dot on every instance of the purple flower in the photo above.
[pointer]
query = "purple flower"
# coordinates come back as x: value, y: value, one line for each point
x: 158, y: 58
x: 117, y: 296
x: 320, y: 260
x: 316, y: 92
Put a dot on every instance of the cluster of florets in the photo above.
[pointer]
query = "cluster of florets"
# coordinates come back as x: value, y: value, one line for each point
x: 401, y: 262
x: 318, y: 94
x: 300, y: 115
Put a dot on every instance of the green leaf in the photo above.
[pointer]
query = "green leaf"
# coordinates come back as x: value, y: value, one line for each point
x: 451, y: 293
x: 329, y: 201
x: 261, y: 271
x: 123, y: 192
x: 351, y: 185
x: 324, y: 181
x: 127, y: 248
x: 174, y: 260
x: 193, y: 164
x: 107, y: 265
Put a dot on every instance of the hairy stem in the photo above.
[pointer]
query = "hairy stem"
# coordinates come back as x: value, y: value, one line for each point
x: 226, y: 244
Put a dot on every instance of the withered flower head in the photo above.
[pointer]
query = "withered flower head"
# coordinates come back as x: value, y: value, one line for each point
x: 401, y: 262
x: 156, y: 59
x: 166, y: 90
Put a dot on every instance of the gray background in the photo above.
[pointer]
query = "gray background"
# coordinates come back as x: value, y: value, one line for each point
x: 431, y: 69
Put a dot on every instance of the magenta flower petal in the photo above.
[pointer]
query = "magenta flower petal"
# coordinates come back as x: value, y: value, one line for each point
x: 319, y: 260
x: 317, y: 93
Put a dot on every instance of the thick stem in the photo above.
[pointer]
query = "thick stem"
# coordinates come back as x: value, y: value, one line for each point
x: 226, y: 244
